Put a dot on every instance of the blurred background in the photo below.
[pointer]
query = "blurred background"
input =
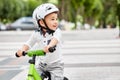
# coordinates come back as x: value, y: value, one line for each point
x: 74, y: 14
x: 91, y: 37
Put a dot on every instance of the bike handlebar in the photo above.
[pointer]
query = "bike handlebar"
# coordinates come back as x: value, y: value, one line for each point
x: 36, y: 52
x: 52, y: 49
x: 24, y: 53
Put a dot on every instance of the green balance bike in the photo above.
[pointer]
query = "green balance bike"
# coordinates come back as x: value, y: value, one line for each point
x: 32, y: 73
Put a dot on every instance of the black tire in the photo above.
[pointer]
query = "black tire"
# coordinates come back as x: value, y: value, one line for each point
x: 65, y: 78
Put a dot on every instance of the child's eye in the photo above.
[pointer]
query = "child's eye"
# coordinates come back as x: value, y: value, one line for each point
x: 54, y: 19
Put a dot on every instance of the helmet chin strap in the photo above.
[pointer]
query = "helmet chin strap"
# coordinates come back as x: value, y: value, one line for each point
x: 48, y: 30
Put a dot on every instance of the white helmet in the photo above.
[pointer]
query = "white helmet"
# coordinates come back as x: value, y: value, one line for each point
x: 43, y: 10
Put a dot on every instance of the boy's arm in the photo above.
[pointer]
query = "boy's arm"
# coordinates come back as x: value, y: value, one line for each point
x: 31, y: 41
x: 52, y: 43
x: 55, y: 40
x: 24, y: 48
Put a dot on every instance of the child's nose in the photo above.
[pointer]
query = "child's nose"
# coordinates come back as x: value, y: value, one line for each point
x: 56, y: 22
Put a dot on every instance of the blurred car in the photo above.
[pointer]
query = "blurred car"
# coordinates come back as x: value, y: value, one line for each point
x: 2, y: 27
x: 23, y: 23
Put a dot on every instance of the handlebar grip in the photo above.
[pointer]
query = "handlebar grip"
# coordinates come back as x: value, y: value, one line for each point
x: 51, y: 49
x: 23, y: 54
x: 16, y: 55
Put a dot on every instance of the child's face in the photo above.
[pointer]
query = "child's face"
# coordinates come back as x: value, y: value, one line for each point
x: 52, y: 21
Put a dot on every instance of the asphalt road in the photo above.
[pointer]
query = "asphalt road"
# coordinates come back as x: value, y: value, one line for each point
x: 88, y: 55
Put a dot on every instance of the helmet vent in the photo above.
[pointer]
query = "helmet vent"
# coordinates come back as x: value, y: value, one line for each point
x: 49, y: 8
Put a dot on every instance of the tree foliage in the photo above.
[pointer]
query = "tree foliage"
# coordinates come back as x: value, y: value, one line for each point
x: 91, y: 10
x: 11, y: 9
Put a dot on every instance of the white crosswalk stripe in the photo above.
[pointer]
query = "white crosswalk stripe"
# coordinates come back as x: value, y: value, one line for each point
x: 84, y: 59
x: 92, y: 59
x: 100, y: 53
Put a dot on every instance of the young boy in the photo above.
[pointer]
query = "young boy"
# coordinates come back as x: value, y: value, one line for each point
x: 46, y: 19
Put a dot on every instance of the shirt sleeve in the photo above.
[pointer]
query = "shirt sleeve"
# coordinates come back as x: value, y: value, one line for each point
x: 57, y: 34
x: 32, y: 40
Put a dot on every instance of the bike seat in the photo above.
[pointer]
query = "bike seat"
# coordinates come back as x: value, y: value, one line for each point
x: 65, y: 78
x: 45, y: 75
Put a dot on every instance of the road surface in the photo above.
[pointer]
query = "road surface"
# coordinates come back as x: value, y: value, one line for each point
x: 86, y: 56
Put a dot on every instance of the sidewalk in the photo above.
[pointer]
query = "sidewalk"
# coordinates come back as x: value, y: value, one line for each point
x: 88, y: 55
x: 97, y: 34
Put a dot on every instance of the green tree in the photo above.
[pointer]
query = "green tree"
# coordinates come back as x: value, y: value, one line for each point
x: 118, y: 14
x: 108, y: 15
x: 70, y: 10
x: 92, y: 11
x: 89, y: 9
x: 11, y: 9
x: 31, y: 5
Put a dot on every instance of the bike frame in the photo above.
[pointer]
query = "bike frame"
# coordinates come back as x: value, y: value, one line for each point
x: 32, y: 73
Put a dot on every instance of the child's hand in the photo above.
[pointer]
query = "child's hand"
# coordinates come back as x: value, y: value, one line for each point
x: 19, y: 53
x: 49, y: 49
x: 46, y: 49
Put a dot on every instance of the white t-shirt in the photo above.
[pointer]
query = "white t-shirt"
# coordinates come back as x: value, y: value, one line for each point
x: 40, y: 41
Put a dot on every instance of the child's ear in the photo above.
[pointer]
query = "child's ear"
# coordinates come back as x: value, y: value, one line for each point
x: 41, y: 22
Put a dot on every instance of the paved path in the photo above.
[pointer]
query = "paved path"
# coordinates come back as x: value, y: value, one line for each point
x: 84, y: 60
